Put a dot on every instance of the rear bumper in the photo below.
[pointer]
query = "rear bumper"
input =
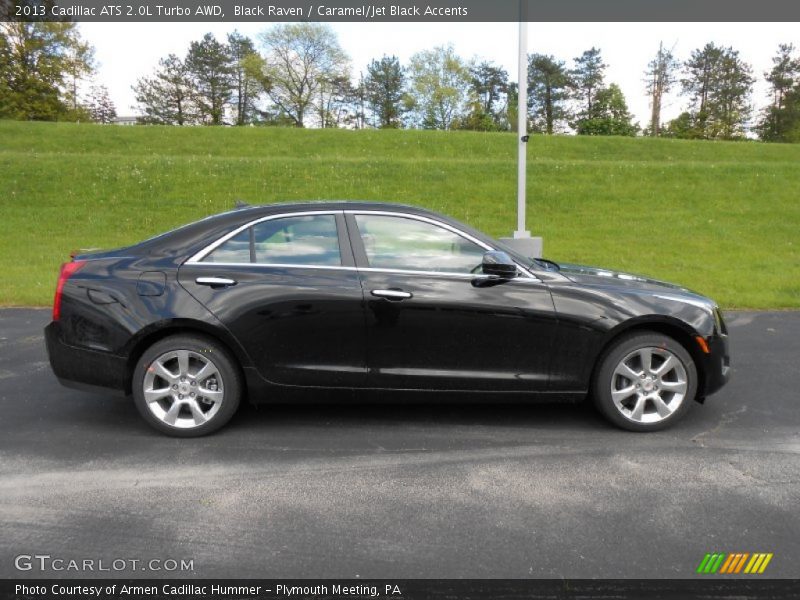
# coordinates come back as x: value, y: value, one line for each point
x: 718, y: 363
x: 84, y: 368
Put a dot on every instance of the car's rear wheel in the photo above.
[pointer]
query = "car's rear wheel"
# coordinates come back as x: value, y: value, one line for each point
x: 645, y: 382
x: 186, y: 386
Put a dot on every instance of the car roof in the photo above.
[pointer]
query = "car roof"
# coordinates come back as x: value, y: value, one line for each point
x: 272, y: 208
x: 186, y: 239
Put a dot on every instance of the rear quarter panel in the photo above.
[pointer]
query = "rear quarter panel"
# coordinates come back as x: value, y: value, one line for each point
x: 110, y: 306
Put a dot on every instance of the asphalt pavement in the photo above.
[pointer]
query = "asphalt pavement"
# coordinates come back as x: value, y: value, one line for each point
x: 402, y: 491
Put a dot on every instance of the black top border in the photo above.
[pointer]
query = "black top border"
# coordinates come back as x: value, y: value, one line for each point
x: 464, y: 11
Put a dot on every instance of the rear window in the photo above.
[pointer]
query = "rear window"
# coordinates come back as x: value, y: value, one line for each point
x: 310, y: 240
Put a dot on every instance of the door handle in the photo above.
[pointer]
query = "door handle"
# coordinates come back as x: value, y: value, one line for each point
x: 392, y: 294
x: 215, y: 281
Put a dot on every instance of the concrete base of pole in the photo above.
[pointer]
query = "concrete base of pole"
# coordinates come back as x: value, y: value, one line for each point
x: 525, y: 245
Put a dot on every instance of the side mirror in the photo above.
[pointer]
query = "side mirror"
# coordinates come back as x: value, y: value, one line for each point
x: 499, y: 264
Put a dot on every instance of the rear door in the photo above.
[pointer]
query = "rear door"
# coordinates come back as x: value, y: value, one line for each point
x: 286, y: 286
x: 433, y: 322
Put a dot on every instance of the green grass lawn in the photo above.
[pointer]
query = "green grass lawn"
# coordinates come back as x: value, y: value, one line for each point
x: 721, y: 218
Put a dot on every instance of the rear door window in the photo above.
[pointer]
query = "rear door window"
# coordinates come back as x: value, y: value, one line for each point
x: 308, y: 240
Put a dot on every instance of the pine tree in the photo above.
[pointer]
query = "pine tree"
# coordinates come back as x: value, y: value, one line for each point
x: 780, y: 118
x: 384, y: 87
x: 488, y: 86
x: 166, y: 97
x: 660, y: 76
x: 548, y: 91
x: 210, y: 68
x: 586, y: 79
x: 719, y: 85
x: 245, y: 85
x: 101, y: 107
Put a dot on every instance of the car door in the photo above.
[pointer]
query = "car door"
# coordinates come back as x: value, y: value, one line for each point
x: 434, y: 322
x: 287, y: 288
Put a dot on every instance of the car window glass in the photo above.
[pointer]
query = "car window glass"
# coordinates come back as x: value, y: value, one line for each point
x: 402, y: 243
x: 307, y: 240
x: 235, y: 250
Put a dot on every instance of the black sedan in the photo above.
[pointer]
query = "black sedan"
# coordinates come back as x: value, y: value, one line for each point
x: 264, y: 302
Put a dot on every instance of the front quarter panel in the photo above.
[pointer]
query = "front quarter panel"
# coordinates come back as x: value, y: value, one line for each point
x: 590, y: 317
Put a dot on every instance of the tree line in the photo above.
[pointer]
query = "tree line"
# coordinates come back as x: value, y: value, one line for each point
x: 299, y: 75
x: 43, y: 69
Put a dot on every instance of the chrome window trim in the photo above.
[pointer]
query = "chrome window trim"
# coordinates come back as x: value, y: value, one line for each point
x: 452, y: 274
x: 344, y: 268
x: 196, y: 258
x: 274, y: 265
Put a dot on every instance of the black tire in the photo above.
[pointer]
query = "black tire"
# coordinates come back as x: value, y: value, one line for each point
x: 225, y: 383
x: 605, y: 377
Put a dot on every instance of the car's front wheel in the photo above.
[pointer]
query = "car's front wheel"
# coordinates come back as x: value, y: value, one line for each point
x: 186, y: 386
x: 645, y: 382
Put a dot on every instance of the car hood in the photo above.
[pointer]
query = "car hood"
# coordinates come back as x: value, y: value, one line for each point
x: 629, y: 282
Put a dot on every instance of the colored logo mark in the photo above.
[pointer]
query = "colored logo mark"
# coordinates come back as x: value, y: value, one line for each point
x: 724, y: 563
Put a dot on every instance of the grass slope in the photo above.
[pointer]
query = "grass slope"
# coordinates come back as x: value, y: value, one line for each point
x: 721, y: 218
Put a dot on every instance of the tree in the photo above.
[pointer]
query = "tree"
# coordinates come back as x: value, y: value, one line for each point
x: 586, y: 79
x: 37, y: 60
x: 790, y: 116
x: 778, y: 119
x: 359, y: 118
x: 166, y: 97
x: 488, y: 87
x: 244, y: 60
x: 79, y: 63
x: 384, y: 87
x: 681, y: 127
x: 784, y: 73
x: 512, y: 106
x: 548, y: 91
x: 101, y: 107
x: 718, y: 84
x: 337, y: 98
x: 609, y: 116
x: 210, y: 68
x: 438, y: 87
x: 660, y: 76
x: 298, y: 58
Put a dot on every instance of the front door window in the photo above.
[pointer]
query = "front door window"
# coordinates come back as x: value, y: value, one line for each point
x: 404, y: 243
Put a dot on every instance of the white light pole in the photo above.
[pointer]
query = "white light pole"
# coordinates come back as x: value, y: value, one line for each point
x: 522, y: 241
x: 522, y: 125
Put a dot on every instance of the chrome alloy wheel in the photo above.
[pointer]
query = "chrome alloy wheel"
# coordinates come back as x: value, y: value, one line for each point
x: 183, y: 389
x: 649, y: 385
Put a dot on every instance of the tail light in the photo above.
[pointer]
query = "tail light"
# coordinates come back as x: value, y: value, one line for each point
x: 67, y: 270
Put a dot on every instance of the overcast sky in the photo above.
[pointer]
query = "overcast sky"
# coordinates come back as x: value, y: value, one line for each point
x: 127, y: 51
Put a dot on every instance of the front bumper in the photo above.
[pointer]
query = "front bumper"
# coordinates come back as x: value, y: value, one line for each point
x: 717, y: 363
x: 84, y: 368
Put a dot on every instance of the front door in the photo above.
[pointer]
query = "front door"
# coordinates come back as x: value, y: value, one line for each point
x: 433, y: 322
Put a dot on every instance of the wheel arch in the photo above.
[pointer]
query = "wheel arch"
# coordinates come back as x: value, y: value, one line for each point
x: 678, y: 330
x: 158, y: 331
